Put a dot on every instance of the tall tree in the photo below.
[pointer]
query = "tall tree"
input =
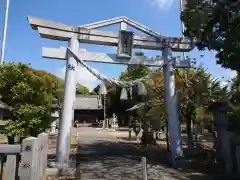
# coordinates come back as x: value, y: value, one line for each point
x: 134, y: 73
x: 29, y: 94
x: 216, y: 25
x: 60, y: 89
x: 155, y: 88
x: 195, y: 92
x: 234, y: 117
x: 157, y: 115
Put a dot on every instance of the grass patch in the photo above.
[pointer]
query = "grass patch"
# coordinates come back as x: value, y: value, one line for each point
x: 73, y: 144
x: 73, y: 139
x: 3, y: 139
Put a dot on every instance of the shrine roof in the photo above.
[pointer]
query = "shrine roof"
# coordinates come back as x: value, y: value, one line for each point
x: 88, y: 102
x: 82, y: 102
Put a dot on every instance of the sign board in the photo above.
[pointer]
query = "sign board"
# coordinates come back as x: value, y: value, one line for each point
x: 178, y: 63
x: 125, y: 44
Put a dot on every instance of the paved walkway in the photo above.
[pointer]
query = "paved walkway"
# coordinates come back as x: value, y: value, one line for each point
x: 100, y: 157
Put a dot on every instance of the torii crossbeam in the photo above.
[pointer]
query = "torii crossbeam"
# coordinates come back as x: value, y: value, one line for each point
x: 87, y: 34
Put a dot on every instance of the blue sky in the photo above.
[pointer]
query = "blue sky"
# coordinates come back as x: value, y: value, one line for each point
x: 24, y: 45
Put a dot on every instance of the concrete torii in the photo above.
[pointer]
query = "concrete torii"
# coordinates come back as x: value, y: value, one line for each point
x: 88, y: 34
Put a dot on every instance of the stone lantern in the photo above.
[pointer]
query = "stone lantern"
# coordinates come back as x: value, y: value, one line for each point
x: 103, y: 91
x: 222, y: 137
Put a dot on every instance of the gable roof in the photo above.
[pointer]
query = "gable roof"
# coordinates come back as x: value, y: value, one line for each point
x: 82, y: 102
x: 120, y: 19
x: 88, y: 102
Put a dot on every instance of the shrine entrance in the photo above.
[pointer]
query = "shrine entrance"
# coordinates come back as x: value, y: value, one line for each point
x: 124, y: 40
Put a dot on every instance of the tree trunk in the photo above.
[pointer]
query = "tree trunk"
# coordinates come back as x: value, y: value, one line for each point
x: 10, y: 140
x: 157, y: 134
x: 201, y: 127
x: 167, y: 139
x: 145, y: 133
x: 21, y: 140
x: 195, y: 134
x: 34, y: 132
x: 190, y: 136
x: 129, y: 128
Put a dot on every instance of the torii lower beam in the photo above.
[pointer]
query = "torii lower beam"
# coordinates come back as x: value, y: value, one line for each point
x: 154, y: 61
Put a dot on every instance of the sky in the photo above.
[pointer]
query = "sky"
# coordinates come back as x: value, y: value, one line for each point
x: 25, y: 45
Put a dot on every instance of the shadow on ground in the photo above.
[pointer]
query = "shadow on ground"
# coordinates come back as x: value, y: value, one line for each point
x: 114, y: 160
x: 122, y: 160
x: 202, y: 159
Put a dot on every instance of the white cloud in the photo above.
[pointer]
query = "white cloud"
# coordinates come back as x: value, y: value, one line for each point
x: 161, y: 4
x: 233, y: 74
x: 83, y: 77
x: 228, y: 78
x: 224, y: 83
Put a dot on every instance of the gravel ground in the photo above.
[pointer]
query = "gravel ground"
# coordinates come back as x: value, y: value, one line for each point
x: 100, y: 156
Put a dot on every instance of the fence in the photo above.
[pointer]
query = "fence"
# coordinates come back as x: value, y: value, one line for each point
x: 26, y: 161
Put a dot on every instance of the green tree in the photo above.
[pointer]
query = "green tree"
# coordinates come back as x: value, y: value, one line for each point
x: 134, y: 73
x: 155, y: 96
x: 234, y: 117
x: 60, y: 89
x: 196, y: 89
x: 29, y: 94
x: 119, y: 106
x: 235, y: 90
x: 82, y: 90
x: 216, y: 25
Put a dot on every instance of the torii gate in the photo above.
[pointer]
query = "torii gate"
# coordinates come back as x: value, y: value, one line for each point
x: 89, y: 34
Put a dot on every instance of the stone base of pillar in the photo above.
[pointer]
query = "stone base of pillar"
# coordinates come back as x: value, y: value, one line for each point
x: 175, y: 162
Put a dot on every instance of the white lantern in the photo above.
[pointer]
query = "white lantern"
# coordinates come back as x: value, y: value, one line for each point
x: 142, y: 89
x: 102, y: 90
x: 124, y: 94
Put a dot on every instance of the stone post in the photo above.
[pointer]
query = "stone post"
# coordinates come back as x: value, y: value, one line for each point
x: 53, y: 127
x: 222, y: 137
x: 64, y: 133
x: 171, y: 101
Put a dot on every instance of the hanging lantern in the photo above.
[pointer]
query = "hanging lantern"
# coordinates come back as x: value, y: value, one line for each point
x: 142, y: 89
x: 124, y: 94
x: 130, y: 92
x: 102, y: 90
x: 125, y: 44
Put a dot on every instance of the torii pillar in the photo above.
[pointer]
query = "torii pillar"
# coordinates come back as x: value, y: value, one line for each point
x: 171, y: 101
x: 64, y: 139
